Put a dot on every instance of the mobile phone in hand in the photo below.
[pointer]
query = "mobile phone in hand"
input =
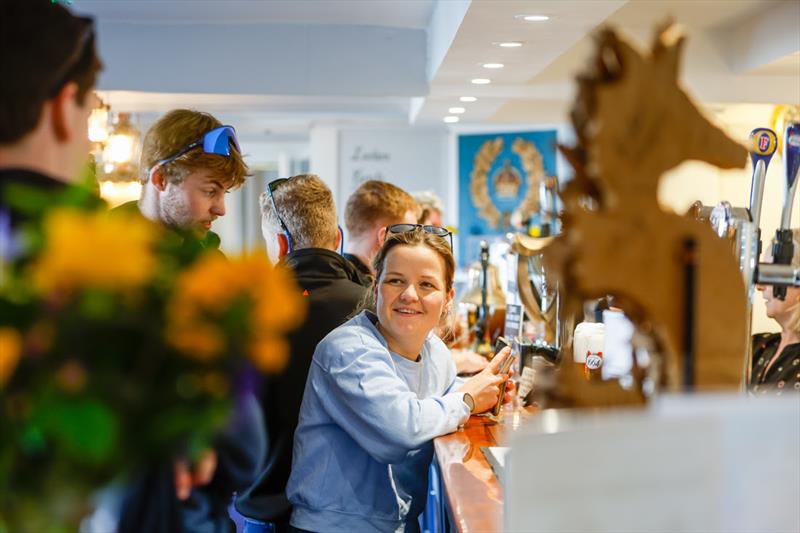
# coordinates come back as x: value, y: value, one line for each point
x: 504, y: 368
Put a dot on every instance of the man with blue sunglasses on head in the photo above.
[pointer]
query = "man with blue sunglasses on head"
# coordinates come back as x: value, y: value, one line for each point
x: 189, y: 161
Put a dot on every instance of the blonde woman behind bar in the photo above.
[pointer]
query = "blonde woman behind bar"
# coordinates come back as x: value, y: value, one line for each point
x: 776, y: 356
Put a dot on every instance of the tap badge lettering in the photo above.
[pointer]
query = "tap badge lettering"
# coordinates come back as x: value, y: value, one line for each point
x: 763, y: 142
x: 766, y: 141
x: 594, y: 360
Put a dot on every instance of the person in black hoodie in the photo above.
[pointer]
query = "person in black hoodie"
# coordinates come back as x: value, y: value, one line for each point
x: 48, y: 67
x: 300, y: 230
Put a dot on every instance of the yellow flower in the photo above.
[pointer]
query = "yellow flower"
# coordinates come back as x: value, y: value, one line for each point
x: 199, y: 341
x: 111, y: 251
x: 207, y: 290
x: 10, y: 350
x: 269, y: 354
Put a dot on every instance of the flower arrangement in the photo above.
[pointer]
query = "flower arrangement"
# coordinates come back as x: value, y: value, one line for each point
x: 120, y: 343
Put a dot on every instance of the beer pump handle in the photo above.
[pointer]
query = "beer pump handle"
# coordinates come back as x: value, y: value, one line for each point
x: 791, y: 164
x: 484, y: 310
x: 763, y: 142
x: 783, y: 249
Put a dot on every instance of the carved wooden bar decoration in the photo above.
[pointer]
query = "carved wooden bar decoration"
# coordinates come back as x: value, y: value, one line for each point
x: 673, y: 277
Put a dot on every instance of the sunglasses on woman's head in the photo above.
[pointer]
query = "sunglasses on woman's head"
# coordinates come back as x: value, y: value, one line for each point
x: 433, y: 230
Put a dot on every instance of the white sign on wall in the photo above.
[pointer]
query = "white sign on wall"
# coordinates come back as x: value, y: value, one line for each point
x: 409, y: 158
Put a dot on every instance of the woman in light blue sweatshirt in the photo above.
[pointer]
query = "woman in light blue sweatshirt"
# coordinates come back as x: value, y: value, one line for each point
x: 379, y: 389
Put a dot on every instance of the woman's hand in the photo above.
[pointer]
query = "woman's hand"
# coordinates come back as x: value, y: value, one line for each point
x: 484, y: 386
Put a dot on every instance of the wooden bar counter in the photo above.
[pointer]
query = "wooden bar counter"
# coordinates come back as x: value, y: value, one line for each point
x: 471, y: 491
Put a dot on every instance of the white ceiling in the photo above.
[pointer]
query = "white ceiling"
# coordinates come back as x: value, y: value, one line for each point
x: 283, y: 66
x: 389, y: 13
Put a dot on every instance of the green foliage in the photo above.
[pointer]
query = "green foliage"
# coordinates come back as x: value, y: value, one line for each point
x: 97, y: 391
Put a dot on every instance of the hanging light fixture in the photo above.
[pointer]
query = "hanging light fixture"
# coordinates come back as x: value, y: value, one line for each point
x: 118, y: 171
x: 98, y: 123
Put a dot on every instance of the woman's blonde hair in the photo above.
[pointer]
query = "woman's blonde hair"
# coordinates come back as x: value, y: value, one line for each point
x: 416, y: 237
x: 794, y: 319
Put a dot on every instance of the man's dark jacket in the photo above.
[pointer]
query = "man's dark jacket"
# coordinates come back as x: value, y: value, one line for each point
x: 365, y: 276
x: 10, y: 177
x: 331, y: 286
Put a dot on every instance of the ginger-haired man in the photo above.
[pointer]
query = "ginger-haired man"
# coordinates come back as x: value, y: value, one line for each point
x: 370, y: 209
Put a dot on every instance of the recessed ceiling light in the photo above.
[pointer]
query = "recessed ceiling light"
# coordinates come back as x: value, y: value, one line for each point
x: 493, y: 65
x: 533, y: 18
x: 481, y: 81
x: 456, y: 110
x: 468, y: 99
x: 451, y: 120
x: 509, y: 44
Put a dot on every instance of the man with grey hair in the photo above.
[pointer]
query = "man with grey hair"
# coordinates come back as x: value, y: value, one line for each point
x: 431, y: 209
x: 300, y: 230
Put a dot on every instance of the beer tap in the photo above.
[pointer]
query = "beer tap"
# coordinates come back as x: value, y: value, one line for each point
x: 783, y: 249
x: 764, y: 142
x: 481, y: 324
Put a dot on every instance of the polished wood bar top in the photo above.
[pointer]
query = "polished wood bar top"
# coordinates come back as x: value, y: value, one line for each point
x: 471, y: 488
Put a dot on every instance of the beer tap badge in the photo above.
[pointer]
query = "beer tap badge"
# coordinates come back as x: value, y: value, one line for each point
x: 764, y: 143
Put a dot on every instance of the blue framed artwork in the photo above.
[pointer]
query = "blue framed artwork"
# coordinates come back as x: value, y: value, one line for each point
x: 502, y: 179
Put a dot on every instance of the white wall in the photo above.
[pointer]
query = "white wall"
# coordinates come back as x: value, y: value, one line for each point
x: 411, y: 158
x: 240, y: 228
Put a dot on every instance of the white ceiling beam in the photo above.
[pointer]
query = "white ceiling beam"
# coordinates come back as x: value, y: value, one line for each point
x: 415, y: 106
x: 445, y: 21
x: 758, y: 40
x: 294, y: 59
x: 544, y: 91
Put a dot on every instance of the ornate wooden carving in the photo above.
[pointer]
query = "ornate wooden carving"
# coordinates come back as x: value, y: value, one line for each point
x: 670, y: 273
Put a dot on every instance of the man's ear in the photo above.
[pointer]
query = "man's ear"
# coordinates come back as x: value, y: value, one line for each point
x: 157, y: 178
x: 381, y: 236
x: 283, y: 245
x: 61, y: 107
x: 339, y: 238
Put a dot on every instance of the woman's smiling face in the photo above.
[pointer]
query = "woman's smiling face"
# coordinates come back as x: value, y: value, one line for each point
x: 411, y: 296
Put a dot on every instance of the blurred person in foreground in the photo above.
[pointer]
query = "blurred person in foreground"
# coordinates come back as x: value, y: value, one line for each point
x: 301, y: 232
x: 776, y: 356
x: 46, y: 97
x: 380, y: 389
x: 369, y: 210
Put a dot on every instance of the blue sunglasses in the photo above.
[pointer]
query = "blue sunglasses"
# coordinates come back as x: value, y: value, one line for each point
x: 217, y: 141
